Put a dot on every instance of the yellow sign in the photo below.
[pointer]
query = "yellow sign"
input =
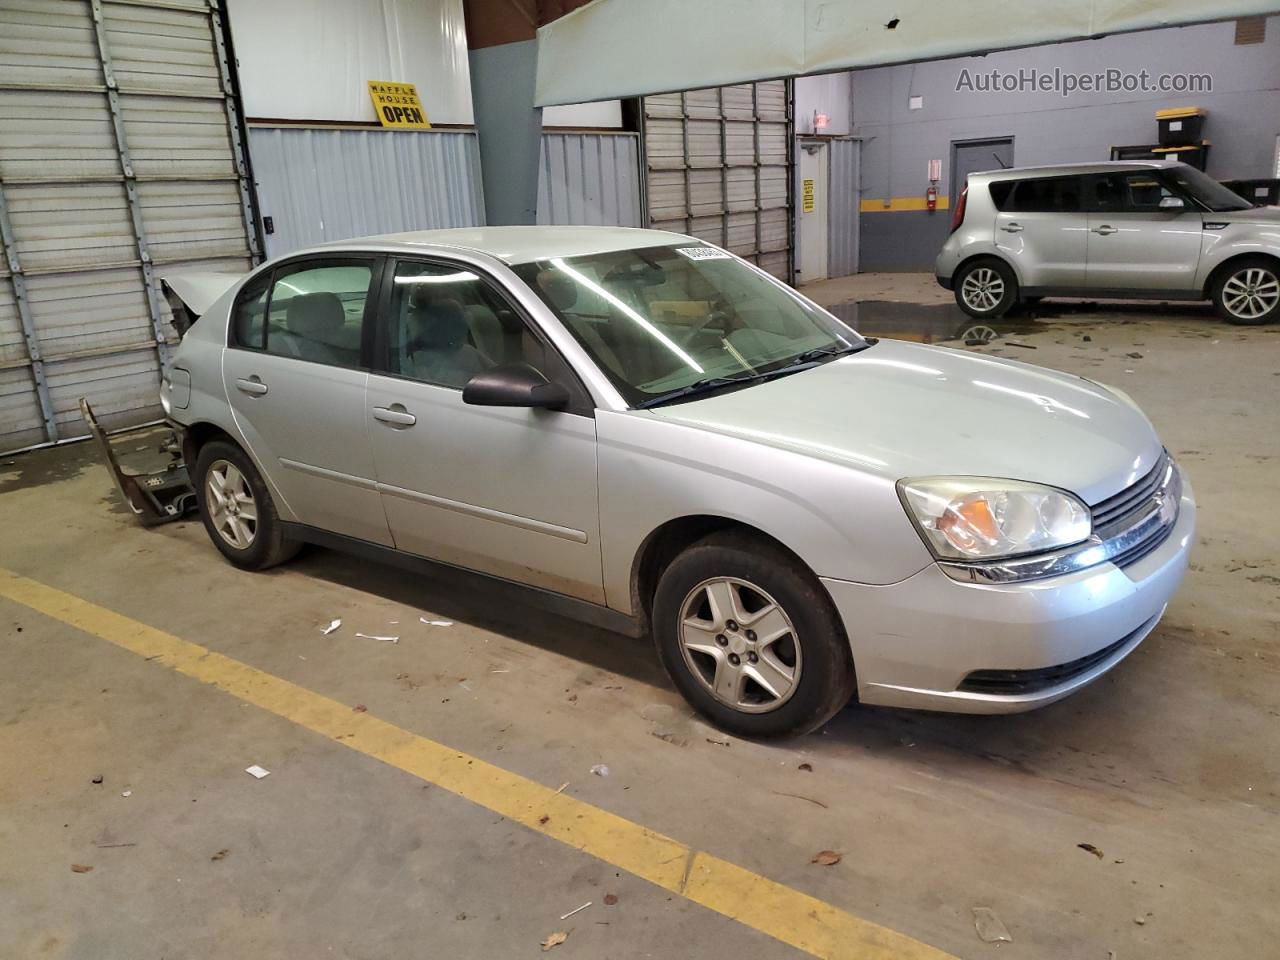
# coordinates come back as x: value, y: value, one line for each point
x: 397, y: 105
x: 806, y: 195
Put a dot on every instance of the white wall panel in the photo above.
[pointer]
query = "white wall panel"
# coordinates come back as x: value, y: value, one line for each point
x: 312, y: 59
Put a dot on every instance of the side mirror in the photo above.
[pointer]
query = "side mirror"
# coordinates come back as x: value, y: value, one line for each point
x: 514, y: 385
x: 1172, y: 203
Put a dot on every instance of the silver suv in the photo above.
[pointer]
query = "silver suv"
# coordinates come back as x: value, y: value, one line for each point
x: 1143, y: 230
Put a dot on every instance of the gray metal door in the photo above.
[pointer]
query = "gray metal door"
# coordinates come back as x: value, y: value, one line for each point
x: 972, y: 156
x: 718, y: 166
x: 845, y: 190
x: 119, y: 151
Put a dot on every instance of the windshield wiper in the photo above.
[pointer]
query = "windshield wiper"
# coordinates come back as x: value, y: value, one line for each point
x: 706, y: 385
x: 822, y: 353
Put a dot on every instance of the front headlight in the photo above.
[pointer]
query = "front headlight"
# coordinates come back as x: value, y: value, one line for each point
x: 976, y: 518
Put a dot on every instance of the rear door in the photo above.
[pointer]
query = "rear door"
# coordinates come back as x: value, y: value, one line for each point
x: 503, y: 490
x: 295, y: 375
x: 1143, y: 235
x: 1041, y: 227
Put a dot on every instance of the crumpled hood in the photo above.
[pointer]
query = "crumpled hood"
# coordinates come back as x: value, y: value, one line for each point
x: 908, y: 410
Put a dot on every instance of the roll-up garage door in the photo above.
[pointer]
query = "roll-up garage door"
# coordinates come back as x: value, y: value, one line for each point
x: 120, y: 154
x: 719, y: 167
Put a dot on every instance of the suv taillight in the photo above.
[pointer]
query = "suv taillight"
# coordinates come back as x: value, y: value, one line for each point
x: 957, y: 217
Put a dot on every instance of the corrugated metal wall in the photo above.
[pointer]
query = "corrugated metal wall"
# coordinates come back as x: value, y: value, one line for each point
x: 719, y: 167
x: 589, y: 178
x: 118, y: 151
x: 321, y: 184
x: 842, y: 214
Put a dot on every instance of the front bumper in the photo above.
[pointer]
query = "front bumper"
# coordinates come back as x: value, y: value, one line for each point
x: 915, y: 642
x: 944, y: 282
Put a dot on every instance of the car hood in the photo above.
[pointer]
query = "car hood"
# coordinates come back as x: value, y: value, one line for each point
x: 909, y: 410
x: 1253, y: 215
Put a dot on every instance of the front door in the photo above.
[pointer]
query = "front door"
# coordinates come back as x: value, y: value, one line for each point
x: 1143, y: 235
x: 507, y: 491
x: 294, y: 376
x: 1041, y: 227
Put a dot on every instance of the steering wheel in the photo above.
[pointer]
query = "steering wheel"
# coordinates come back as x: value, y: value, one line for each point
x: 716, y: 313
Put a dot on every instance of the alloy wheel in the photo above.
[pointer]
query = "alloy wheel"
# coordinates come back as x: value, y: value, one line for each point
x: 982, y: 289
x: 232, y: 508
x: 1251, y: 293
x: 740, y: 644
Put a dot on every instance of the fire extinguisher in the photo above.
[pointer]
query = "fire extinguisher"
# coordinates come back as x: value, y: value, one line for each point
x: 931, y: 198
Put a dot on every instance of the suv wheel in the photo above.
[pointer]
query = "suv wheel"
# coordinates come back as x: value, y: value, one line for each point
x: 1248, y: 293
x: 237, y: 510
x: 986, y: 288
x: 751, y: 639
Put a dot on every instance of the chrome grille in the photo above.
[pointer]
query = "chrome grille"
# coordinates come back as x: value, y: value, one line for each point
x: 1137, y: 519
x: 1118, y: 510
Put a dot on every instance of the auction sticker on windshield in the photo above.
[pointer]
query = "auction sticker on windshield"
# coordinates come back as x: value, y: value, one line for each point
x: 704, y: 253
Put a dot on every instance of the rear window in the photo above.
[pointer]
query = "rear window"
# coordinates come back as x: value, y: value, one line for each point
x: 1037, y: 195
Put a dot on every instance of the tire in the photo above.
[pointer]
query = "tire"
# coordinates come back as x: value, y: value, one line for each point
x: 251, y: 542
x: 1247, y: 293
x: 986, y: 288
x: 758, y: 584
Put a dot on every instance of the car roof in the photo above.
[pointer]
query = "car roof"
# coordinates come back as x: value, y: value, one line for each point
x: 522, y: 244
x: 1096, y: 166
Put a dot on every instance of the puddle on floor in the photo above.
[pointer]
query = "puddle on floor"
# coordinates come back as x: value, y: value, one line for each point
x: 928, y: 323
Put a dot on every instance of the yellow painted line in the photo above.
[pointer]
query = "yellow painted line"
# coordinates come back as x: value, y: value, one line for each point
x: 795, y: 918
x: 899, y: 205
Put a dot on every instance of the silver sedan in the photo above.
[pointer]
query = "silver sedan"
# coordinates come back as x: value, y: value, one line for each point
x: 653, y: 434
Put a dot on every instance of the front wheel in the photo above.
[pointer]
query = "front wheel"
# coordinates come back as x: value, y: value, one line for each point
x: 237, y: 510
x: 1248, y: 292
x: 986, y: 289
x: 751, y: 638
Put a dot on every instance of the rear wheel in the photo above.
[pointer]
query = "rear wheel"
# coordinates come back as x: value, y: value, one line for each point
x: 750, y: 638
x: 1247, y: 293
x: 986, y: 288
x: 237, y: 510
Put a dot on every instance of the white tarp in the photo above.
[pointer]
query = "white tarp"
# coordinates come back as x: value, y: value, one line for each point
x: 619, y: 48
x: 313, y: 59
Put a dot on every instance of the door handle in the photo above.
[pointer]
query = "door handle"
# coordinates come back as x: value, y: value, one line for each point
x: 1105, y: 230
x: 1012, y: 228
x: 252, y: 386
x: 396, y: 415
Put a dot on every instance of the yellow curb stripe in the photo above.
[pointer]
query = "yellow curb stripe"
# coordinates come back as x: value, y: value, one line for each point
x: 795, y: 918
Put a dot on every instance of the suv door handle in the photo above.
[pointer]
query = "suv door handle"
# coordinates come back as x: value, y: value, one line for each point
x: 1012, y: 228
x: 252, y: 386
x: 396, y: 415
x: 1106, y: 230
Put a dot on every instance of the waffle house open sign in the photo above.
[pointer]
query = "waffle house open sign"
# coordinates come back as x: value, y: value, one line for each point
x: 397, y: 105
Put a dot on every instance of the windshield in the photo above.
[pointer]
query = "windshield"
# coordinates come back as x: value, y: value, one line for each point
x: 659, y: 320
x: 1206, y: 190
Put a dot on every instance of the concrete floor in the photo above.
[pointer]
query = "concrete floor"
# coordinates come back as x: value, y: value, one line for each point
x: 1170, y: 766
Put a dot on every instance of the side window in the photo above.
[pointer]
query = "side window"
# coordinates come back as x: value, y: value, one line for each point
x: 1136, y: 192
x: 315, y: 312
x: 447, y: 324
x: 1000, y: 193
x: 249, y: 325
x: 1045, y: 195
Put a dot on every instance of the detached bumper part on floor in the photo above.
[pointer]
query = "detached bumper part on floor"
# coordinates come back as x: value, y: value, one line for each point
x: 931, y: 642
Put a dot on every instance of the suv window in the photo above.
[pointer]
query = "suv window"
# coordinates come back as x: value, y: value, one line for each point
x: 310, y: 310
x: 1037, y: 195
x: 447, y: 323
x: 1139, y: 191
